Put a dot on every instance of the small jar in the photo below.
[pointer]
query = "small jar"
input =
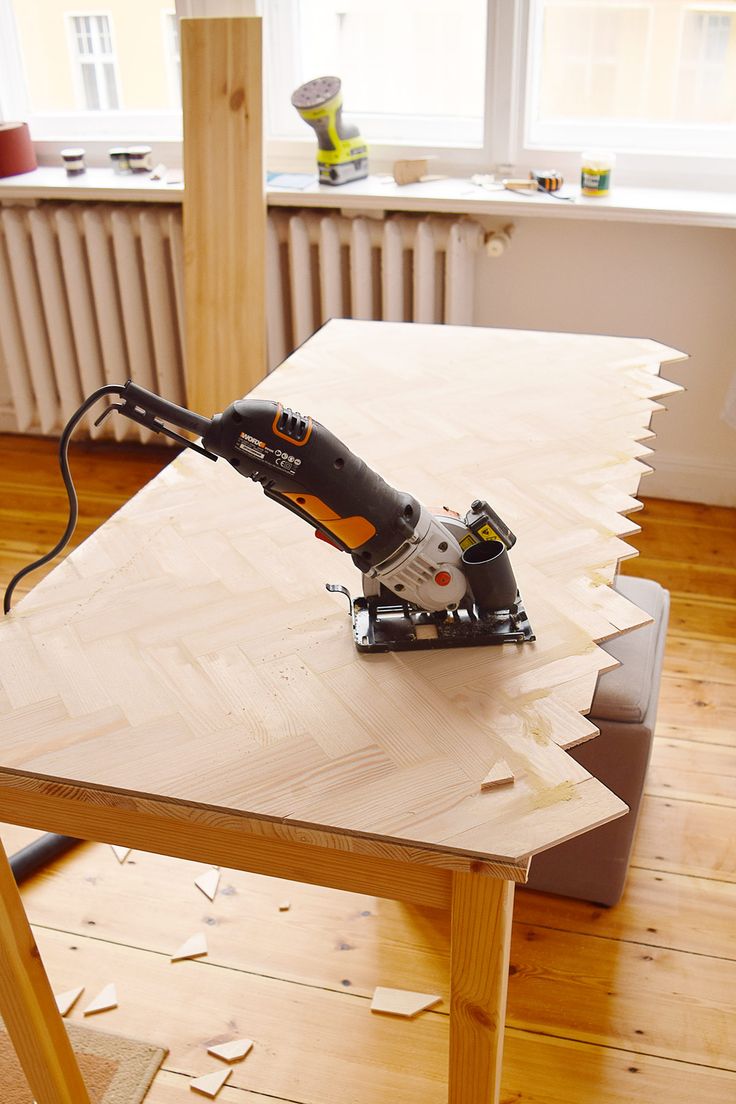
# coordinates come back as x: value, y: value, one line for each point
x: 595, y: 172
x: 73, y: 159
x: 140, y: 158
x: 119, y: 159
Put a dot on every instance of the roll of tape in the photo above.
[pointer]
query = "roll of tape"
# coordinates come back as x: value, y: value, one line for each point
x: 16, y: 149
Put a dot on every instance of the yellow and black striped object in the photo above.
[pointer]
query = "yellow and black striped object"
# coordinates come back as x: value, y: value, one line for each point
x: 547, y: 181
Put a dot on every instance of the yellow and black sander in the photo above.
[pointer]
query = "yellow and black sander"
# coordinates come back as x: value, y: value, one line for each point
x: 342, y: 155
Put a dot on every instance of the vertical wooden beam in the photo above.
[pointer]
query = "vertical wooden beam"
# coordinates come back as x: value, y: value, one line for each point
x: 28, y: 1007
x: 224, y: 210
x: 479, y: 964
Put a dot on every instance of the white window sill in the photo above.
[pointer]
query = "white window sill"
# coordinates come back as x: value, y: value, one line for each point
x: 380, y: 193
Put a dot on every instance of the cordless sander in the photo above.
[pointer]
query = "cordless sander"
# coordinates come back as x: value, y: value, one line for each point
x: 342, y: 154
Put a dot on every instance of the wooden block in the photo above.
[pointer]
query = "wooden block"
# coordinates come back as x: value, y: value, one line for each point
x: 208, y: 883
x: 121, y: 853
x: 499, y: 775
x: 233, y: 1051
x: 193, y: 948
x: 211, y: 1083
x: 411, y: 171
x: 224, y: 210
x: 106, y: 999
x: 66, y: 1001
x: 402, y: 1002
x: 284, y: 906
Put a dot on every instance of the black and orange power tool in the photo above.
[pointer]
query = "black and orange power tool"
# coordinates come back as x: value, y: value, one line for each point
x: 431, y: 578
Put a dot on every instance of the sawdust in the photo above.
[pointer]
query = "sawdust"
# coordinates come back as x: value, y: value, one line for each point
x: 563, y: 791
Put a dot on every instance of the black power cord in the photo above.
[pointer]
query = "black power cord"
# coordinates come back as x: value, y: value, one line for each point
x: 51, y: 846
x: 71, y: 425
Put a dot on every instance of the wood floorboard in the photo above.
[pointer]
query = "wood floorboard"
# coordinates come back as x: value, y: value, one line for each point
x: 631, y: 1003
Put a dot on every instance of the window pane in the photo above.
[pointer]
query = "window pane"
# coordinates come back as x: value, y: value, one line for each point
x: 398, y: 58
x: 102, y: 27
x: 665, y: 62
x: 111, y: 87
x: 91, y: 91
x: 705, y: 84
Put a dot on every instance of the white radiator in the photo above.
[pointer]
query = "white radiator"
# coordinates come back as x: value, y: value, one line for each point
x: 92, y: 294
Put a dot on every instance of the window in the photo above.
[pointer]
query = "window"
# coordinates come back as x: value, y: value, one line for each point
x: 86, y: 75
x: 412, y: 70
x: 706, y: 85
x: 96, y: 78
x: 656, y: 77
x: 473, y: 83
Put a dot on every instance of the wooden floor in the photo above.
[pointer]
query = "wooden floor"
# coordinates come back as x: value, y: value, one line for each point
x: 635, y: 1003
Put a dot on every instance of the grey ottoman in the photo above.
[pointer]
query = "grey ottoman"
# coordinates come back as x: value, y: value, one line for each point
x: 593, y: 866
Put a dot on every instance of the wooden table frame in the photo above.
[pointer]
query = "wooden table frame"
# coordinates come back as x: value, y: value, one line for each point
x: 479, y: 898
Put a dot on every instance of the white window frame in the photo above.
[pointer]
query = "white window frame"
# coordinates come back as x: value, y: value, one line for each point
x: 173, y: 59
x: 504, y: 146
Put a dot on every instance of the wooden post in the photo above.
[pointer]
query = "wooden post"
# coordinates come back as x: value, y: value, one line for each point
x: 28, y: 1007
x: 224, y: 210
x: 480, y: 940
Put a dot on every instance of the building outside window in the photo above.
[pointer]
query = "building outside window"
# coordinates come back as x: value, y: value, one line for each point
x: 94, y: 59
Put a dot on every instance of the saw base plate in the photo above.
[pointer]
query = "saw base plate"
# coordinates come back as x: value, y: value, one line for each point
x: 389, y: 625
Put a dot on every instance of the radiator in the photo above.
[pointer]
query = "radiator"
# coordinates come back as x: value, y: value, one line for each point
x: 92, y: 294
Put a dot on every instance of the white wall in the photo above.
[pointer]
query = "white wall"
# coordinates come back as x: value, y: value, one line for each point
x: 676, y: 284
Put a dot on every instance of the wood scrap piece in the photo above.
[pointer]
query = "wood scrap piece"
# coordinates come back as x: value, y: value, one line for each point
x: 106, y: 999
x: 121, y: 853
x: 66, y: 1001
x: 208, y: 883
x: 284, y: 906
x: 500, y: 774
x: 211, y: 1083
x: 410, y: 171
x: 233, y: 1051
x: 402, y: 1002
x: 195, y: 946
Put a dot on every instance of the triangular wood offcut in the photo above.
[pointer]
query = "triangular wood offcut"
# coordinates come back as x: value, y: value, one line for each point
x: 232, y: 1051
x: 195, y: 946
x: 106, y: 999
x: 66, y: 1001
x: 211, y: 1083
x: 402, y: 1002
x: 499, y: 775
x: 208, y: 883
x: 121, y: 853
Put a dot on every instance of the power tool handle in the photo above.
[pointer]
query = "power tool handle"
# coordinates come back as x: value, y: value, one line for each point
x: 305, y: 467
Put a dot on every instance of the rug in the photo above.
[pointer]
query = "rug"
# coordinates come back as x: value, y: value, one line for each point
x: 115, y: 1070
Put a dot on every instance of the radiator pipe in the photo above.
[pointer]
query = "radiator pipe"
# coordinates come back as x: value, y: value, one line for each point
x: 35, y: 856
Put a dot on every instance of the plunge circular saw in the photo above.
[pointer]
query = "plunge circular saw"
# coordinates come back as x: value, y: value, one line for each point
x: 431, y: 578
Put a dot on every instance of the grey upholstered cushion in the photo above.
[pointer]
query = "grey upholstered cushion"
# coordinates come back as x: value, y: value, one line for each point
x: 592, y: 867
x: 624, y: 693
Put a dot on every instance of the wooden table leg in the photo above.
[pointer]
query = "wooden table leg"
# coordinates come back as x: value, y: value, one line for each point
x: 28, y: 1007
x: 479, y: 954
